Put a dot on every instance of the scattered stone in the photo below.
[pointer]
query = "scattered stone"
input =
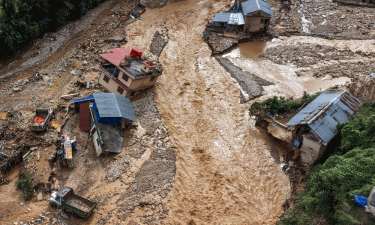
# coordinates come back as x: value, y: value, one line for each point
x: 17, y: 89
x: 39, y: 196
x: 64, y: 215
x: 21, y: 204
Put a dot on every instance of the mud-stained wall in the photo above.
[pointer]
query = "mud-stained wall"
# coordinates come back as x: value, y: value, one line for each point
x: 122, y: 76
x: 253, y: 23
x: 311, y: 150
x: 143, y: 83
x: 111, y: 85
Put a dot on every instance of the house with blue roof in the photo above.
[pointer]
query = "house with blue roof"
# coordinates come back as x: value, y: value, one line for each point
x: 257, y: 14
x: 247, y: 16
x: 103, y: 115
x: 316, y: 125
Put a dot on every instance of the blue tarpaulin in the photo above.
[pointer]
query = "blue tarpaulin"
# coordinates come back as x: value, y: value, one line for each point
x: 360, y: 200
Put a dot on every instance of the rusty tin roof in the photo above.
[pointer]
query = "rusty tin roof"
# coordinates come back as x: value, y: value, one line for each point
x: 324, y: 113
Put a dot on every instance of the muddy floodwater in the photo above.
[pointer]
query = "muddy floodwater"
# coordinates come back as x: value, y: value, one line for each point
x: 225, y: 174
x: 287, y: 82
x: 203, y: 159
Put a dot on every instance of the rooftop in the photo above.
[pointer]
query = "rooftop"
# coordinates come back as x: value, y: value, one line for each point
x: 230, y: 18
x: 254, y: 5
x: 135, y: 68
x: 324, y: 113
x: 134, y: 62
x: 112, y: 105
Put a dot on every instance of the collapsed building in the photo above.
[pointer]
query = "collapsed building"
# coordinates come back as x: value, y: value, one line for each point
x: 312, y: 128
x: 125, y: 73
x: 101, y: 115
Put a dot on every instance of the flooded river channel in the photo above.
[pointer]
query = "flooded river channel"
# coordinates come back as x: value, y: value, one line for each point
x: 225, y: 174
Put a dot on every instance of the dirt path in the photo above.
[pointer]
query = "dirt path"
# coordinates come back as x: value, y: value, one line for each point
x: 224, y: 172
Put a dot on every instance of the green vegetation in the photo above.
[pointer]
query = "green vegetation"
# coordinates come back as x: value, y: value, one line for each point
x: 24, y: 20
x: 26, y: 184
x: 331, y: 186
x: 278, y: 105
x: 359, y: 131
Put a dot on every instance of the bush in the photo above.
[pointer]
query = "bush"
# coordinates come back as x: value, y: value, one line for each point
x: 359, y: 130
x: 277, y: 105
x: 25, y: 183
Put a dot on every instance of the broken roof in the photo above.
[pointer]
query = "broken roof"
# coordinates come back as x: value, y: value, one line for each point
x: 112, y: 105
x: 324, y: 113
x: 230, y: 18
x: 254, y: 5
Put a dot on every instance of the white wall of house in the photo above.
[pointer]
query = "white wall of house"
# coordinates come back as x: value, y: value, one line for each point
x: 311, y: 150
x: 254, y: 23
x: 111, y: 85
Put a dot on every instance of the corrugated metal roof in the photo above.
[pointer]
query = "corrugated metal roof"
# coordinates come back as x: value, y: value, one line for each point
x: 324, y: 113
x: 236, y: 18
x: 230, y: 18
x: 116, y: 55
x: 222, y: 17
x: 254, y: 5
x: 112, y: 105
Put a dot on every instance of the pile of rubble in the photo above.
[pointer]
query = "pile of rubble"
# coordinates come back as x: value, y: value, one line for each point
x: 322, y: 18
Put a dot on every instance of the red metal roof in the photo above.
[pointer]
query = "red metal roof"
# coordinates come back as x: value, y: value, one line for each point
x: 84, y: 117
x: 116, y: 55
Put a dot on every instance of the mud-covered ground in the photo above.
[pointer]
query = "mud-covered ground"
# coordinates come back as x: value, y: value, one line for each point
x: 194, y: 156
x: 319, y: 18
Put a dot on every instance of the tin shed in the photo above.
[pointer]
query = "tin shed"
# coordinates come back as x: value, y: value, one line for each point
x: 110, y: 108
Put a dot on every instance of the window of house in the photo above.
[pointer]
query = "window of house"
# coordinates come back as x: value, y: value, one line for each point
x: 125, y: 77
x: 153, y: 78
x: 262, y: 21
x: 120, y: 90
x: 106, y: 79
x: 116, y: 72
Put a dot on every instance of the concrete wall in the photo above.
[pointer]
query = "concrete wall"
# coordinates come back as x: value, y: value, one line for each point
x: 311, y: 150
x: 111, y: 86
x: 253, y: 23
x: 143, y: 83
x: 127, y: 83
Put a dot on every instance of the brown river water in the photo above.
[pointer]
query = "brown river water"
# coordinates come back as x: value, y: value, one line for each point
x: 225, y: 174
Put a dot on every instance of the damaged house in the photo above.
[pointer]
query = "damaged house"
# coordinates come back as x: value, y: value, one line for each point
x: 108, y: 110
x: 257, y: 15
x: 316, y: 124
x: 103, y: 114
x: 247, y: 16
x: 125, y: 73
